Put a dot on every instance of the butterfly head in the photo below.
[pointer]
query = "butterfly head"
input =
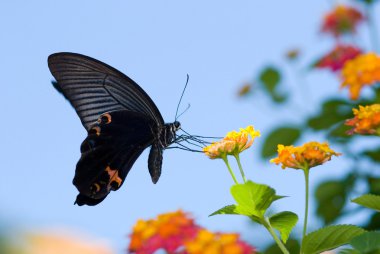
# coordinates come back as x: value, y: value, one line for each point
x: 176, y: 126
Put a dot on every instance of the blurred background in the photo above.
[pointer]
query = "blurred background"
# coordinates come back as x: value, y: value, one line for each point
x: 225, y: 47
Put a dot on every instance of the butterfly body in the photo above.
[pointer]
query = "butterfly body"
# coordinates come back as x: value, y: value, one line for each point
x: 121, y: 122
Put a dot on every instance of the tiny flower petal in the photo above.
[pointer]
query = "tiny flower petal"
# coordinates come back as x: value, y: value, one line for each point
x: 309, y: 155
x: 366, y: 120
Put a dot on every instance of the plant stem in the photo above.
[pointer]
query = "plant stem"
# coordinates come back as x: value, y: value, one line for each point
x: 229, y: 169
x: 240, y: 167
x: 275, y: 237
x: 306, y: 173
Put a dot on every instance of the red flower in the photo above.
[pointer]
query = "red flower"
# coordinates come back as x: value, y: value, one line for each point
x: 341, y: 20
x: 336, y: 58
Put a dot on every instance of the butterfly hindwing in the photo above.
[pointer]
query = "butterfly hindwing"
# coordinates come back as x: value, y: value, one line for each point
x: 112, y: 146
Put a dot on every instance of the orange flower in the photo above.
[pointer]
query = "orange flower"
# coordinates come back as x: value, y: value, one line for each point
x: 233, y: 143
x: 217, y: 243
x: 366, y: 120
x: 168, y: 232
x: 342, y: 20
x: 335, y: 59
x: 307, y: 156
x: 363, y: 70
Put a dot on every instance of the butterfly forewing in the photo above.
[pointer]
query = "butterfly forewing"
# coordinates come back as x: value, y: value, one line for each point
x: 94, y: 88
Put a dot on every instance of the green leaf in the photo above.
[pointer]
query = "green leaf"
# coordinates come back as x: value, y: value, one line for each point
x: 348, y: 251
x: 374, y: 222
x: 373, y: 155
x: 252, y: 200
x: 367, y: 242
x: 374, y: 185
x: 270, y: 77
x: 333, y: 111
x: 339, y: 133
x: 229, y: 209
x: 282, y: 135
x: 236, y: 210
x: 329, y: 237
x: 331, y: 198
x: 284, y: 222
x: 368, y: 200
x: 255, y: 197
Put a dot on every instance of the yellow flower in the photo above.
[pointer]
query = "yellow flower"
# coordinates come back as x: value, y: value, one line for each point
x: 366, y: 120
x: 233, y: 143
x: 307, y: 156
x: 363, y: 70
x: 207, y: 242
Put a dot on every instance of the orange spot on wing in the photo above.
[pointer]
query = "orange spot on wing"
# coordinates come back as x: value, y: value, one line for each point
x: 114, y: 176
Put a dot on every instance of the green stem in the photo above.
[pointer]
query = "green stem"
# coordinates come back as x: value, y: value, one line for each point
x: 229, y: 169
x: 306, y: 173
x: 240, y: 167
x: 267, y: 225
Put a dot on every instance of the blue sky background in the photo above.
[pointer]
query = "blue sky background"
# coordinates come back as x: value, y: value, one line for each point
x: 220, y: 44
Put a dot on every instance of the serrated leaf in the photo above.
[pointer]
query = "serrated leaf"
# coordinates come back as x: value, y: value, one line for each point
x: 281, y: 135
x: 367, y: 242
x: 284, y: 222
x: 368, y: 200
x: 253, y: 197
x: 329, y: 237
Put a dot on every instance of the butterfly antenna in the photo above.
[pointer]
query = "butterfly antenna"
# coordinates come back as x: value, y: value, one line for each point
x: 183, y: 112
x: 180, y: 99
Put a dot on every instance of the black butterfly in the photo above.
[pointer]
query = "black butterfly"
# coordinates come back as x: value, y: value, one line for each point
x: 121, y: 121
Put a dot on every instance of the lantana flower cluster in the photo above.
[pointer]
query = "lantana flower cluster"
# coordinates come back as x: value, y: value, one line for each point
x: 342, y: 20
x: 363, y: 70
x: 366, y: 120
x: 308, y: 155
x: 233, y: 143
x: 177, y: 233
